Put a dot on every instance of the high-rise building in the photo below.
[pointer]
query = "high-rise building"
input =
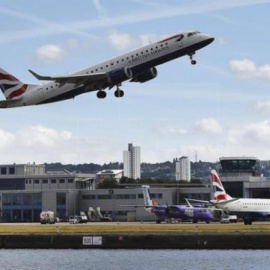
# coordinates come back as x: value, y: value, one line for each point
x: 182, y: 169
x: 132, y: 162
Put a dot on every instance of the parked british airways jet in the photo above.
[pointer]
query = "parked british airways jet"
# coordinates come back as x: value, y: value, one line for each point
x: 137, y: 66
x: 248, y: 209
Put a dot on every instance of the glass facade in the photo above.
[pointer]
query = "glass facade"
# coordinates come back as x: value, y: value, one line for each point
x: 12, y: 184
x: 4, y: 170
x: 152, y: 196
x: 21, y: 207
x: 61, y: 205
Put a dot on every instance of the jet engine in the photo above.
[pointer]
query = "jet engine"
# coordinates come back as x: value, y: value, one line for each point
x: 146, y: 75
x: 117, y: 76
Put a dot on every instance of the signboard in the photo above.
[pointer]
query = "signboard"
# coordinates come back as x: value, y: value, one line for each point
x: 92, y: 240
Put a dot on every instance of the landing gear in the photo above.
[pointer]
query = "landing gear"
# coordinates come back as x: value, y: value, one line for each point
x: 118, y: 92
x: 193, y: 62
x: 101, y: 94
x: 247, y: 221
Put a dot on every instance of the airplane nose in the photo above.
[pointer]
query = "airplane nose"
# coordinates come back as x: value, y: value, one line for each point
x: 211, y: 39
x: 208, y: 40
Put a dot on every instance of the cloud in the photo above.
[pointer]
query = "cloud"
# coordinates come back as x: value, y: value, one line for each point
x: 101, y: 11
x: 173, y: 131
x: 51, y: 28
x: 247, y: 69
x: 50, y: 53
x: 262, y: 107
x: 6, y: 138
x: 257, y: 134
x: 146, y: 39
x: 207, y: 126
x: 119, y: 40
x: 252, y: 139
x: 222, y: 41
x: 43, y: 144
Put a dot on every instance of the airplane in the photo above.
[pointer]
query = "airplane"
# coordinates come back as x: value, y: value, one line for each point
x: 168, y: 212
x: 136, y: 66
x: 247, y: 209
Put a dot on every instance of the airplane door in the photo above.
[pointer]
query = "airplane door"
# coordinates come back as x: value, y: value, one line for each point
x: 179, y: 41
x: 41, y: 93
x: 239, y: 206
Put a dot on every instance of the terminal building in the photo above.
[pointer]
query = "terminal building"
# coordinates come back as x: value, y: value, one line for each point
x: 27, y: 189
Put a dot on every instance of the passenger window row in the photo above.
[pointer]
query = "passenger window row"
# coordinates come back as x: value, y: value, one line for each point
x: 127, y: 58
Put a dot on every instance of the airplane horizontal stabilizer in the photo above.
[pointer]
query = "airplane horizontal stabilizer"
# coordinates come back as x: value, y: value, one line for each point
x: 7, y: 103
x: 82, y: 78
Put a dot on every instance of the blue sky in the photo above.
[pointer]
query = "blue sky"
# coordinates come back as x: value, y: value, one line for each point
x: 220, y: 107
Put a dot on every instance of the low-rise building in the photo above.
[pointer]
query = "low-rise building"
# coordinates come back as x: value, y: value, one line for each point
x: 110, y: 174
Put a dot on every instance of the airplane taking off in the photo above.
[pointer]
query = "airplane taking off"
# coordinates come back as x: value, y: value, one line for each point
x: 165, y: 212
x: 137, y: 66
x: 248, y: 209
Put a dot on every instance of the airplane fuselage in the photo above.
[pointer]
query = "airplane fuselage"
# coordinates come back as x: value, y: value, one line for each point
x: 247, y: 208
x: 181, y: 212
x: 136, y: 66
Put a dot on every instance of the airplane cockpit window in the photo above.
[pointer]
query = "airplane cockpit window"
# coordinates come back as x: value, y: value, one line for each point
x: 180, y: 37
x: 193, y: 33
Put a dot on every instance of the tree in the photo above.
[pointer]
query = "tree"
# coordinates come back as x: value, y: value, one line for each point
x: 108, y: 183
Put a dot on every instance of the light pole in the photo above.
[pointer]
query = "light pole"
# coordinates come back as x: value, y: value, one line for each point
x: 177, y: 195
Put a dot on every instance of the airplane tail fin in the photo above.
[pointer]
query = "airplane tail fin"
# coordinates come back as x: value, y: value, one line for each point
x: 146, y: 196
x: 219, y: 191
x: 11, y: 86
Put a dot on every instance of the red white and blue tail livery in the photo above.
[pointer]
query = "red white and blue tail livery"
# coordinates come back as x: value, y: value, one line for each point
x: 12, y: 88
x: 219, y: 191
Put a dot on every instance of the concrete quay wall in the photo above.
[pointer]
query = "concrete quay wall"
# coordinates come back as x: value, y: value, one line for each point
x: 146, y: 241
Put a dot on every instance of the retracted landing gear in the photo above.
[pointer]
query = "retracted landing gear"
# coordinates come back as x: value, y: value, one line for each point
x: 101, y: 94
x: 192, y: 61
x: 118, y: 92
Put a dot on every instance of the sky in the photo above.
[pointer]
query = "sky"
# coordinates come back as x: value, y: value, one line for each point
x: 219, y: 107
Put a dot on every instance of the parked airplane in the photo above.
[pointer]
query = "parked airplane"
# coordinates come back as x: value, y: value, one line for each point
x: 164, y: 212
x: 248, y: 209
x: 137, y: 66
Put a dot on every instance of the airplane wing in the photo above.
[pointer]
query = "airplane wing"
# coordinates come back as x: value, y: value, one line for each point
x: 227, y: 201
x: 134, y: 205
x: 194, y: 200
x: 78, y: 79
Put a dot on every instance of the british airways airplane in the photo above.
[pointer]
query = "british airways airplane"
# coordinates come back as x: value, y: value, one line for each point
x: 136, y: 66
x: 248, y: 209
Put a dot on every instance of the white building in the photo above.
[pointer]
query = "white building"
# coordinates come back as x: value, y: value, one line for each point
x: 182, y: 170
x: 132, y: 162
x: 110, y: 174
